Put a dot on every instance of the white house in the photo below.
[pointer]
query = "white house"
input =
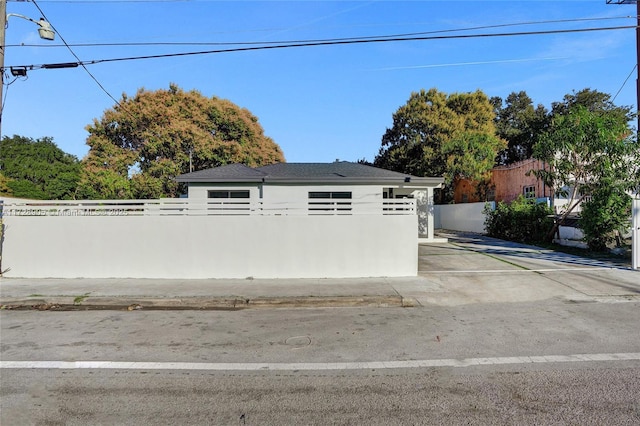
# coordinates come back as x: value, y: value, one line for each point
x: 288, y: 220
x: 315, y: 188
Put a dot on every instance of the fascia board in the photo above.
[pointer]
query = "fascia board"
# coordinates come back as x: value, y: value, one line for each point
x: 414, y: 182
x: 214, y: 181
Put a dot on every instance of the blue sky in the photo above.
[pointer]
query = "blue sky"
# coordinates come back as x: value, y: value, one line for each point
x: 318, y: 103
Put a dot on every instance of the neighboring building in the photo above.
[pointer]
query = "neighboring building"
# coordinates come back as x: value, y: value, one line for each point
x: 506, y: 183
x: 314, y: 188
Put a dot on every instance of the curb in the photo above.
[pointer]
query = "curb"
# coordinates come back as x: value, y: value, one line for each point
x: 62, y: 303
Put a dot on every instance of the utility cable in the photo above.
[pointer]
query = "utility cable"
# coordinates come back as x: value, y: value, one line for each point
x: 6, y: 91
x: 625, y: 82
x: 323, y: 43
x: 122, y: 1
x: 483, y: 27
x: 80, y: 62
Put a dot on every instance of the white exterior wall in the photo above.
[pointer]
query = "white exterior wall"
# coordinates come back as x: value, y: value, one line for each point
x: 468, y: 217
x: 294, y: 196
x: 298, y: 195
x: 210, y: 247
x: 287, y: 193
x: 570, y: 237
x: 198, y: 191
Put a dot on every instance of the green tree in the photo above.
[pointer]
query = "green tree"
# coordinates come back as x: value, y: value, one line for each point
x: 37, y: 169
x: 4, y: 186
x: 605, y: 215
x: 588, y: 151
x: 140, y: 146
x: 520, y: 124
x: 594, y: 101
x: 435, y: 134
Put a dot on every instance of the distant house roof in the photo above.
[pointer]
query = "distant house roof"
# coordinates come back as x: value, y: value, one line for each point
x: 337, y: 172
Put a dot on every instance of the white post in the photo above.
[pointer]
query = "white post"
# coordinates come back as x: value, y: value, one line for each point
x: 430, y: 219
x: 635, y: 235
x: 424, y: 210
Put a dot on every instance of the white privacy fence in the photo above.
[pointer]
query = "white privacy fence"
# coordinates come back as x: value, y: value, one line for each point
x: 466, y: 217
x: 213, y: 239
x: 210, y: 207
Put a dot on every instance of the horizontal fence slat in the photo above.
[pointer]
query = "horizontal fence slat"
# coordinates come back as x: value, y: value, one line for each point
x: 209, y: 207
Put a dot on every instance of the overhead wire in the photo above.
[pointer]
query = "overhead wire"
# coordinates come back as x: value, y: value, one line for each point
x: 328, y: 42
x: 80, y: 62
x: 263, y: 45
x: 412, y: 34
x: 6, y: 92
x: 122, y: 1
x: 624, y: 83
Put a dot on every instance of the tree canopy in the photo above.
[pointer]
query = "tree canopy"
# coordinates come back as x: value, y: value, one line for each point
x: 435, y: 134
x: 37, y: 169
x: 590, y: 153
x: 140, y: 145
x: 520, y: 124
x: 594, y: 101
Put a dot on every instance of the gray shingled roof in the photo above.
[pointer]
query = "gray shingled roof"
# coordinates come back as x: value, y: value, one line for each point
x: 230, y: 172
x: 328, y: 170
x: 338, y: 172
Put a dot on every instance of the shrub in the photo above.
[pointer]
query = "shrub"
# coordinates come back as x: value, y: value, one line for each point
x: 605, y: 214
x: 523, y: 220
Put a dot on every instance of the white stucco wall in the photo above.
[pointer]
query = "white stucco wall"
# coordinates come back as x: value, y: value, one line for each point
x: 294, y: 196
x: 366, y: 196
x: 199, y: 191
x: 210, y: 247
x: 468, y: 217
x: 571, y: 237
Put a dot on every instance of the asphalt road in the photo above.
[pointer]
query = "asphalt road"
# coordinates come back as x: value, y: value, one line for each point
x: 593, y: 395
x: 509, y: 363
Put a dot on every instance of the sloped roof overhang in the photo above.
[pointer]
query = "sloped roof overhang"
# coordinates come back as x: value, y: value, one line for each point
x: 342, y: 173
x: 433, y: 182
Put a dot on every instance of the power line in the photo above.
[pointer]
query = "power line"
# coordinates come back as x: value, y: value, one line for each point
x: 318, y: 43
x: 116, y: 1
x: 624, y: 83
x: 412, y: 34
x: 80, y: 63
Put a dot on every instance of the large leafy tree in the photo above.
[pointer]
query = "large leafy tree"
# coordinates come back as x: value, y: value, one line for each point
x: 594, y: 101
x: 520, y: 124
x: 139, y: 146
x: 37, y: 169
x: 435, y: 134
x: 589, y: 152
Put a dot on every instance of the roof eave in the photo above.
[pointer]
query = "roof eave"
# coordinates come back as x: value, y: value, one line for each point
x: 218, y: 180
x: 406, y: 181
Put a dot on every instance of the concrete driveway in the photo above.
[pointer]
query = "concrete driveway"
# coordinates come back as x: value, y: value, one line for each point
x: 476, y: 269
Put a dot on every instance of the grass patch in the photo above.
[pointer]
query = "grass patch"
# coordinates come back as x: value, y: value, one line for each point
x: 79, y: 299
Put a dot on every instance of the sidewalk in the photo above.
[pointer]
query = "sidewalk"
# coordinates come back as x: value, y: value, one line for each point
x: 468, y: 269
x: 202, y: 294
